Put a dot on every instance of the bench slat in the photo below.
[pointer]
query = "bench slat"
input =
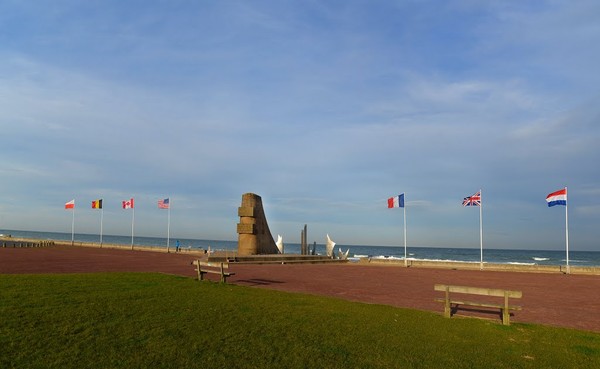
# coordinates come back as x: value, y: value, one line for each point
x: 480, y: 304
x: 216, y: 272
x: 211, y: 264
x: 478, y: 291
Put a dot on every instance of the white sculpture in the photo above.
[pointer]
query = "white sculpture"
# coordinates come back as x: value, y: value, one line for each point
x: 343, y: 255
x: 329, y: 247
x: 279, y: 244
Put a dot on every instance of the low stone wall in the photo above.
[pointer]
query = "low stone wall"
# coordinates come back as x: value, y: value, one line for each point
x: 42, y: 243
x: 274, y: 259
x: 486, y: 266
x: 22, y: 242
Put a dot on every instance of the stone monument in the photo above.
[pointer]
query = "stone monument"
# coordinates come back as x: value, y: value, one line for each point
x: 254, y: 236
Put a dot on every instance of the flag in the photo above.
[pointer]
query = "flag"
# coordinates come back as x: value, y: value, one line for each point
x: 97, y: 204
x: 474, y: 200
x: 70, y: 204
x: 557, y: 198
x: 163, y: 204
x: 128, y: 204
x: 396, y: 202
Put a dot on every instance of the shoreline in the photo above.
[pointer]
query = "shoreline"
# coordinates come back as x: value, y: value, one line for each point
x: 453, y: 265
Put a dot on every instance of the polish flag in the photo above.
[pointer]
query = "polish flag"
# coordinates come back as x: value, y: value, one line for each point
x: 70, y: 205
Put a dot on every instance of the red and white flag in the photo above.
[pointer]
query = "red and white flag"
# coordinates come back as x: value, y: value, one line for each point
x: 128, y: 204
x: 70, y: 205
x: 163, y: 204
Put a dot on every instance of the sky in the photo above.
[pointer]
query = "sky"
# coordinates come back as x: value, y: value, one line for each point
x: 323, y: 108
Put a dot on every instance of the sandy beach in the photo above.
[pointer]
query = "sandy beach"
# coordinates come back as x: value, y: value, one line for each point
x: 553, y: 299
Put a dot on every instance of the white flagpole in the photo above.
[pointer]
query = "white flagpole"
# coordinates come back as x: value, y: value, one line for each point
x: 73, y: 228
x: 168, y: 224
x: 405, y: 254
x: 481, y: 229
x: 567, y: 230
x: 101, y: 221
x: 132, y: 222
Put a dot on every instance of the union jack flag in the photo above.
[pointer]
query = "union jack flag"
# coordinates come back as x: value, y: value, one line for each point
x: 474, y: 200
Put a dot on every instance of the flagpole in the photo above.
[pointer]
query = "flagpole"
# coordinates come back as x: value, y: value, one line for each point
x: 567, y: 231
x: 168, y: 224
x: 132, y: 222
x: 101, y: 221
x: 73, y: 228
x: 481, y: 229
x: 405, y: 254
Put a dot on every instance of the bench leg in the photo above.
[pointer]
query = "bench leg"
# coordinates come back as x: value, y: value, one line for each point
x: 198, y: 269
x: 505, y: 316
x: 447, y: 304
x: 505, y: 311
x: 447, y: 310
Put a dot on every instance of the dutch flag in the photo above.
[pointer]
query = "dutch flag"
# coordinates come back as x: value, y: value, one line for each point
x: 557, y: 198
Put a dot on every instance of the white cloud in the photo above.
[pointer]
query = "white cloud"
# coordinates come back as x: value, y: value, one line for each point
x: 323, y: 111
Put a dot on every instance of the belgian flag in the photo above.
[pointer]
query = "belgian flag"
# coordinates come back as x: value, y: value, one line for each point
x: 97, y: 204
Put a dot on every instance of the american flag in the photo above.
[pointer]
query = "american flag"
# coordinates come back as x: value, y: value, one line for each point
x: 474, y: 200
x: 163, y: 204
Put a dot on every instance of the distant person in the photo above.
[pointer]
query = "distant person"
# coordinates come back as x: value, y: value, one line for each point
x: 177, y: 246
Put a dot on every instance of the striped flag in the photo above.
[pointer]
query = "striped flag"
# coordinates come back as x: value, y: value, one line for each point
x: 70, y: 205
x: 163, y: 204
x: 557, y: 198
x: 396, y: 202
x: 97, y: 204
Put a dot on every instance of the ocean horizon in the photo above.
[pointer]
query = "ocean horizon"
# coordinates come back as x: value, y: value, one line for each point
x: 446, y: 254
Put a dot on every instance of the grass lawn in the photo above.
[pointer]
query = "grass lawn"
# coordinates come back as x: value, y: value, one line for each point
x: 144, y: 320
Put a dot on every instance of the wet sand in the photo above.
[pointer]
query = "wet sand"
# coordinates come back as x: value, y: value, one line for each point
x: 548, y: 298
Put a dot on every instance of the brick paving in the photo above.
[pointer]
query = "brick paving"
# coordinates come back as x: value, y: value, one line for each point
x: 553, y: 299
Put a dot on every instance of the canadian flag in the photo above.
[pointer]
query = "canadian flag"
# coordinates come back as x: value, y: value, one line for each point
x: 128, y: 204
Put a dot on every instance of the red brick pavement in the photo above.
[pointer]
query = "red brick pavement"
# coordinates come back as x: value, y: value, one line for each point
x: 553, y: 299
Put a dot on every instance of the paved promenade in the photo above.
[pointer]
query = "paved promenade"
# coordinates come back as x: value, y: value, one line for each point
x: 553, y: 299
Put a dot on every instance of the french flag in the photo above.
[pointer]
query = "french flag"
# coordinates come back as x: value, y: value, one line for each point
x: 396, y: 201
x: 557, y: 198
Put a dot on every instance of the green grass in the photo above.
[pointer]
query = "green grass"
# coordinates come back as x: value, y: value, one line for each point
x: 137, y: 320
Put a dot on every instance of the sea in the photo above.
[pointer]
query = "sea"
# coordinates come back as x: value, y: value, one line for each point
x: 446, y: 254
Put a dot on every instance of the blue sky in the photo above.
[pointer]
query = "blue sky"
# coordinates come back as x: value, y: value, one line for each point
x: 323, y: 108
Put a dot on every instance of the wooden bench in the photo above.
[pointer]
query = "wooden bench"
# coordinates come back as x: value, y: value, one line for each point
x: 504, y: 307
x: 203, y: 267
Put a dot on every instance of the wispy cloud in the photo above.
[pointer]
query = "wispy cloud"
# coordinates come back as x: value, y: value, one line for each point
x: 323, y: 110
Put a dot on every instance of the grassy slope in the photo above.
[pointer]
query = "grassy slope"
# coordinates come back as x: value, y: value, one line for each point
x: 159, y: 321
